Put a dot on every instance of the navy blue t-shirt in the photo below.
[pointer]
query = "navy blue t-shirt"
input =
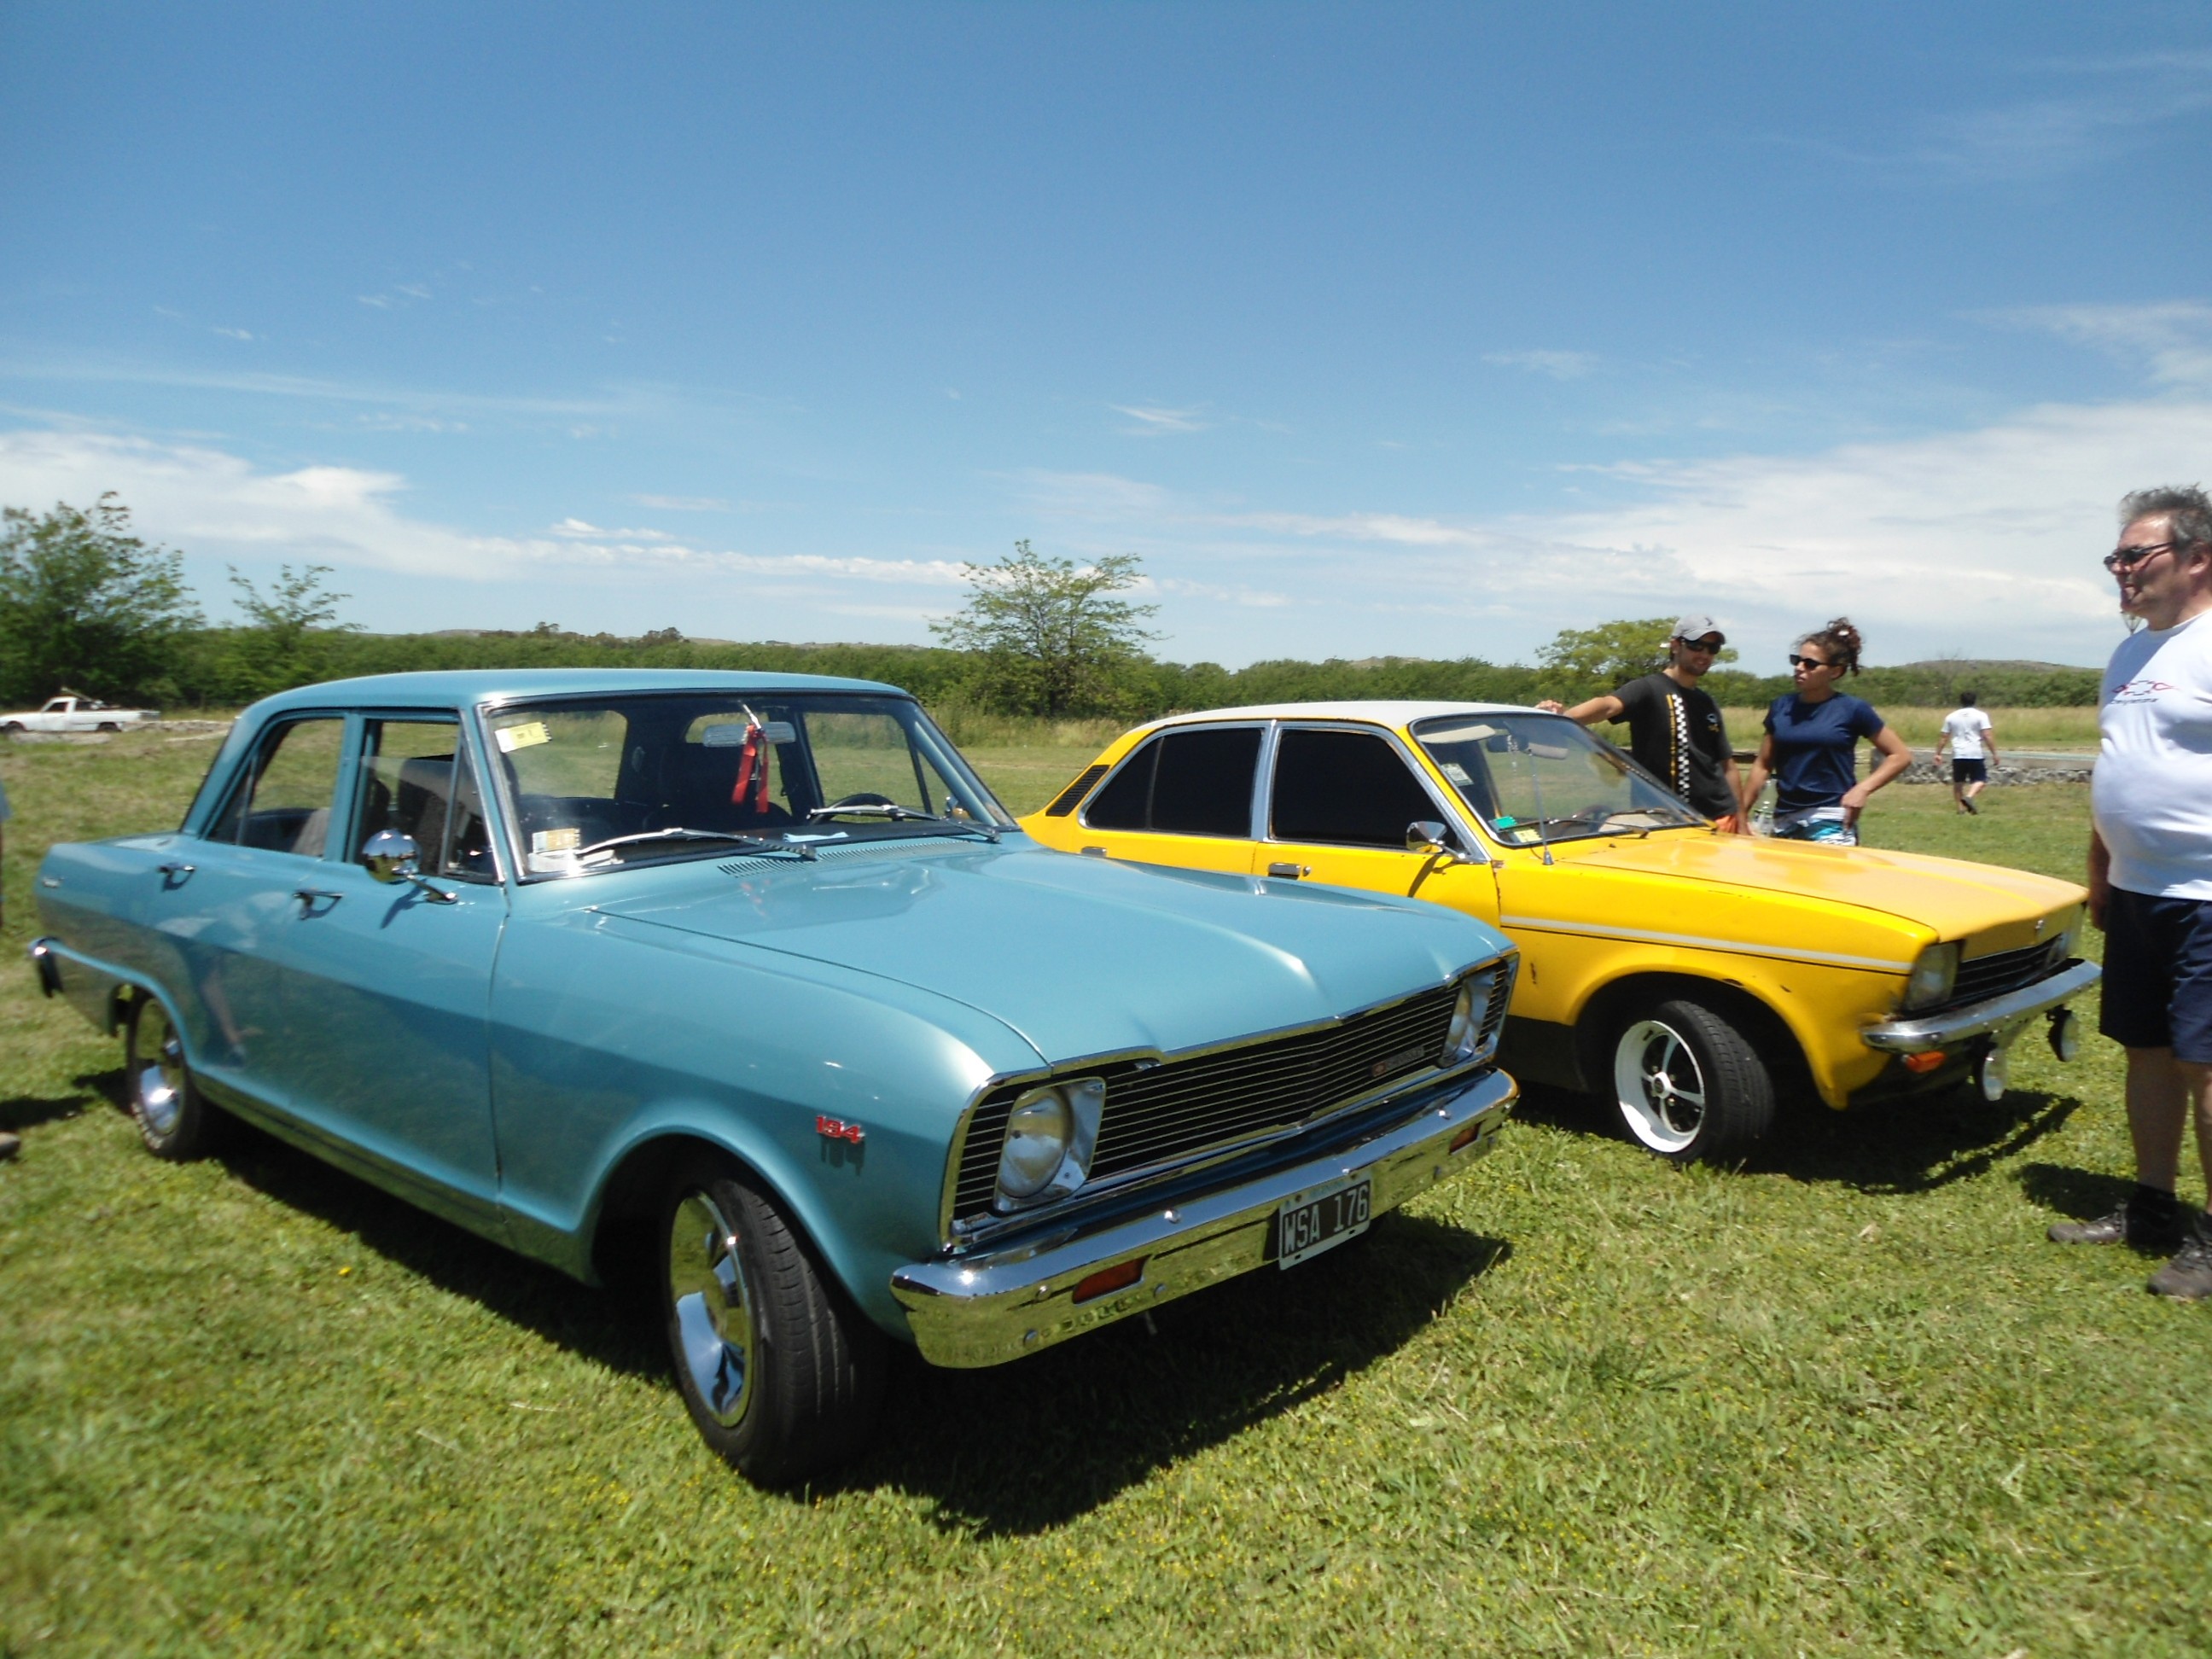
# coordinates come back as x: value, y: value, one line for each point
x: 1816, y: 748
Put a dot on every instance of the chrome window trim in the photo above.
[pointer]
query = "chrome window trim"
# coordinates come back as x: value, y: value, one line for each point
x: 509, y: 818
x: 248, y: 773
x: 1453, y: 813
x: 1260, y: 771
x: 1219, y: 1150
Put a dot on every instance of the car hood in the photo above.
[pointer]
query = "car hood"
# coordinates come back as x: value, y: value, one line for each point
x: 1955, y: 897
x: 1080, y: 955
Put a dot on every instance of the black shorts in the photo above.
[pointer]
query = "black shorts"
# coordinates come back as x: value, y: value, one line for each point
x: 2158, y: 975
x: 1969, y: 771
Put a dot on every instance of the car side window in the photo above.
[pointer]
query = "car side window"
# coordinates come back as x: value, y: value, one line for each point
x: 285, y: 804
x: 1344, y: 788
x: 416, y: 778
x: 1184, y: 783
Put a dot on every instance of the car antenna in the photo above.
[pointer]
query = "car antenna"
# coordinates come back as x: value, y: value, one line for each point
x: 1543, y: 834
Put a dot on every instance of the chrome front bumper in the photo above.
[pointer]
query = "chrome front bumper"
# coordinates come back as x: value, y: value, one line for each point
x: 2000, y: 1017
x: 997, y: 1305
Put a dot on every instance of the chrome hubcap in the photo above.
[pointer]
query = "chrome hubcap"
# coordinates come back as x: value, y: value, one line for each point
x: 714, y: 1310
x: 159, y: 1082
x: 1660, y: 1089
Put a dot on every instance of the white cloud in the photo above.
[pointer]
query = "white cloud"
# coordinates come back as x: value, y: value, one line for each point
x: 233, y: 333
x: 1154, y: 422
x: 683, y: 503
x: 2172, y: 339
x: 215, y: 505
x: 1984, y: 541
x: 1560, y: 365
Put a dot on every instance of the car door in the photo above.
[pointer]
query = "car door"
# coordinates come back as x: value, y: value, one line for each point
x: 223, y: 910
x: 391, y: 983
x: 1339, y: 800
x: 1183, y: 797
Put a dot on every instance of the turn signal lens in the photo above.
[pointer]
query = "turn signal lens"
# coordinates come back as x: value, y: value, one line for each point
x: 1924, y: 1064
x: 1107, y: 1280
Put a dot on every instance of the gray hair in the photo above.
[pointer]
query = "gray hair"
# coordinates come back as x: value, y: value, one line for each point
x: 2186, y: 509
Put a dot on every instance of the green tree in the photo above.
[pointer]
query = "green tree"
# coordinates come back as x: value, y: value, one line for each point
x: 282, y: 644
x: 1048, y: 637
x: 1588, y: 659
x: 85, y: 603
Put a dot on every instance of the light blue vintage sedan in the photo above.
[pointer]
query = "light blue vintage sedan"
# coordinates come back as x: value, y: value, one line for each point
x: 747, y: 980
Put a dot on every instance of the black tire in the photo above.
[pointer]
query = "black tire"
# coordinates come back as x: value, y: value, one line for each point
x: 12, y: 728
x: 109, y: 726
x: 1689, y: 1084
x: 174, y: 1117
x: 782, y: 1374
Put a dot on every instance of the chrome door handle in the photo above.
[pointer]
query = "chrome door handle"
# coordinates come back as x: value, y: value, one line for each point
x: 175, y: 867
x: 308, y: 897
x: 1290, y: 872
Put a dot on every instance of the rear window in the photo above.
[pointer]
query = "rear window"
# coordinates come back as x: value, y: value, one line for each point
x: 1184, y: 783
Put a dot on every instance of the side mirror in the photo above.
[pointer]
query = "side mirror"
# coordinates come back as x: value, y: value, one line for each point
x: 391, y: 856
x: 1427, y: 836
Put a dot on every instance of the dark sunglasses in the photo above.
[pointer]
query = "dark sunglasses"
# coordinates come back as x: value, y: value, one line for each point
x: 2127, y: 558
x: 1706, y: 646
x: 1796, y: 661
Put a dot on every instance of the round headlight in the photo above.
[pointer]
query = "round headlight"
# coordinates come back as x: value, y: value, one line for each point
x: 1464, y: 1035
x: 1037, y: 1131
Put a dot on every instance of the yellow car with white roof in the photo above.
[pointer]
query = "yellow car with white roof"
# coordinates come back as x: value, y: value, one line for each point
x: 1693, y: 977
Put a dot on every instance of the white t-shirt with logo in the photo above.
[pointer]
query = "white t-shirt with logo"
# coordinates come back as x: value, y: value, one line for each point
x: 2152, y: 790
x: 1964, y: 727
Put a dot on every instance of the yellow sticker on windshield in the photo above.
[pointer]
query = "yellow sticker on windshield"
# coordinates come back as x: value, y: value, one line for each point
x: 524, y: 736
x: 556, y: 841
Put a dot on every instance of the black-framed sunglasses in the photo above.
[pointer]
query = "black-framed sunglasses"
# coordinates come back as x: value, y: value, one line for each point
x: 1707, y: 645
x: 2127, y: 558
x: 1796, y: 661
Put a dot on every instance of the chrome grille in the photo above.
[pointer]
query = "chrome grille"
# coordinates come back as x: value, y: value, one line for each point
x: 1157, y: 1112
x: 2008, y: 970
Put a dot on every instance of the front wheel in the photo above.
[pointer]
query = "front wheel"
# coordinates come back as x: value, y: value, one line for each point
x: 174, y: 1119
x: 1690, y: 1086
x: 781, y: 1374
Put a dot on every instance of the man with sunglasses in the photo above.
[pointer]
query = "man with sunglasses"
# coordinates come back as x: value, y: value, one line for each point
x: 1674, y: 728
x: 2150, y: 874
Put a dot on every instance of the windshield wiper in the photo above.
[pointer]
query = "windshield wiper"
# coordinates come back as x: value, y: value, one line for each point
x: 883, y: 809
x: 765, y: 843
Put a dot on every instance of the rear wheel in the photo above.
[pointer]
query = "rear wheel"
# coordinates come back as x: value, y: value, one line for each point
x: 109, y: 726
x: 781, y: 1374
x: 1689, y: 1084
x: 173, y: 1118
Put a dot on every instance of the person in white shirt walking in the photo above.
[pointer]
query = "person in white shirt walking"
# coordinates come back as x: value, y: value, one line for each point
x: 1972, y: 741
x: 2150, y: 874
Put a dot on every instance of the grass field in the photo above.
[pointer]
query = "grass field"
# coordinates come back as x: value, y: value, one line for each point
x: 2016, y: 728
x: 1843, y: 1401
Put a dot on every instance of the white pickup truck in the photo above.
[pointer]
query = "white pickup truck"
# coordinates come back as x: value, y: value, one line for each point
x: 78, y: 713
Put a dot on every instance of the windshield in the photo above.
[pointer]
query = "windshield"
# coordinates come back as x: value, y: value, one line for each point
x: 1534, y: 778
x: 595, y: 783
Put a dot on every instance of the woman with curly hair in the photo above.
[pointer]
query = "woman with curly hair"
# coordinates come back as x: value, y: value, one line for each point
x: 1811, y: 746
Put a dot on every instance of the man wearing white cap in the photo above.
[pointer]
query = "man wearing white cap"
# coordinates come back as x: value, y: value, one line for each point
x: 1674, y: 728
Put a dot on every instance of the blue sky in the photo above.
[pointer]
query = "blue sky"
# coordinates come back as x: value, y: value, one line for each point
x: 1410, y: 330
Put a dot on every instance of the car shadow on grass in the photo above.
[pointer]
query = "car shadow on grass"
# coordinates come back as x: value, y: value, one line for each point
x: 591, y: 1322
x: 1900, y: 1147
x: 23, y: 1112
x: 1025, y: 1447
